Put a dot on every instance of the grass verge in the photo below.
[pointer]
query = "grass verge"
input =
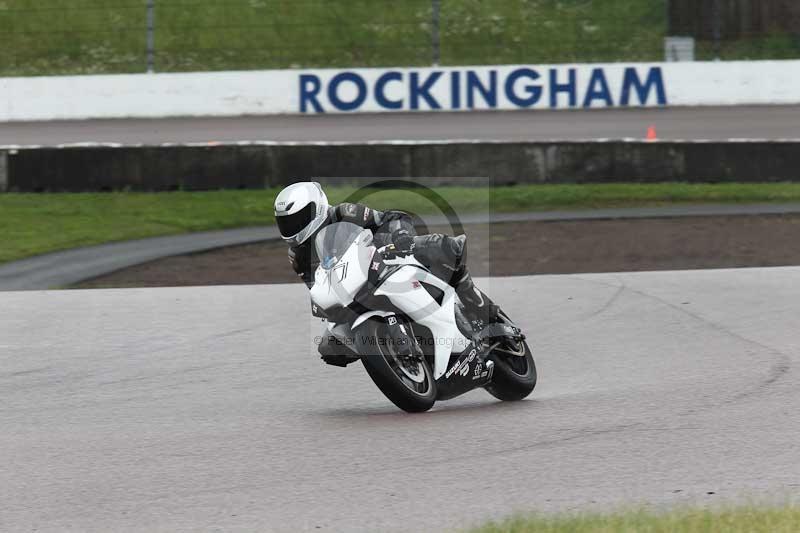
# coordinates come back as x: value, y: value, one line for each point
x: 739, y: 520
x: 32, y: 224
x: 103, y: 36
x: 109, y: 36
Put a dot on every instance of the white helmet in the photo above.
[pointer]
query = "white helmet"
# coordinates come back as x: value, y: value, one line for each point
x: 300, y: 210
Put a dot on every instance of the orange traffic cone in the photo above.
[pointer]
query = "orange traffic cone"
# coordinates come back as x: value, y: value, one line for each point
x: 651, y: 133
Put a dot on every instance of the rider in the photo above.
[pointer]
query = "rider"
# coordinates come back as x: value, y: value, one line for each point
x: 302, y: 209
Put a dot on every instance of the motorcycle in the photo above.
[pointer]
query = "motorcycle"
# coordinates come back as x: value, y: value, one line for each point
x: 409, y: 328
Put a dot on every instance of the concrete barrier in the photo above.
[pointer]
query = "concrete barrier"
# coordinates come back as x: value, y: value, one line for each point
x: 257, y: 165
x: 393, y: 90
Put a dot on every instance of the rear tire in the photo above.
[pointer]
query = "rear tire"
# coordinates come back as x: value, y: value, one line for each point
x: 386, y: 371
x: 514, y: 376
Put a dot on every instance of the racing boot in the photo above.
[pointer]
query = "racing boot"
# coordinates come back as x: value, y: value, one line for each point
x: 335, y: 352
x: 477, y: 303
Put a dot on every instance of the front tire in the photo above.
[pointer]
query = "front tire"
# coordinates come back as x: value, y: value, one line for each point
x: 409, y: 385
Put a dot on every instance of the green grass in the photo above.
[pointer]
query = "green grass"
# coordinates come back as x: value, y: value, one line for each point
x: 40, y: 37
x: 776, y: 45
x: 32, y: 224
x: 101, y: 36
x: 741, y: 520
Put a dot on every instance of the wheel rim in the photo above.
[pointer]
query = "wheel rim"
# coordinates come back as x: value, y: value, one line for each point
x: 513, y: 353
x: 410, y: 370
x: 514, y: 357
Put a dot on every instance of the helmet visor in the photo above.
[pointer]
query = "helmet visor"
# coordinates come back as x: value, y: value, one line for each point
x: 291, y: 225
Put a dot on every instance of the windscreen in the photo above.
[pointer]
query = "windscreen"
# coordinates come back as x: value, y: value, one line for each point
x: 333, y: 241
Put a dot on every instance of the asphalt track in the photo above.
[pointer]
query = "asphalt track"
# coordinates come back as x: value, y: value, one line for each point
x: 715, y: 123
x: 206, y: 409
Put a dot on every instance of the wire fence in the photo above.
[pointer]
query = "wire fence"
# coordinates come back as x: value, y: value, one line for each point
x: 115, y: 36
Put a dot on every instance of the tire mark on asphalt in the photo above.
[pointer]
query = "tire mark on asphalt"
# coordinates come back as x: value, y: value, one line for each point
x: 607, y: 304
x: 74, y: 378
x: 780, y: 367
x: 354, y: 471
x: 20, y: 373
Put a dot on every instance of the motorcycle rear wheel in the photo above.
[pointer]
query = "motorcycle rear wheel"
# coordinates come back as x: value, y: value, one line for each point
x: 514, y: 376
x: 409, y: 384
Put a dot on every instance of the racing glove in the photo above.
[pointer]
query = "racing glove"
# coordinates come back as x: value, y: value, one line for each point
x: 403, y: 242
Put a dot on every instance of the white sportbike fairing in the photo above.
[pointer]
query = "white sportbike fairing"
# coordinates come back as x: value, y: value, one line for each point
x: 384, y: 309
x: 405, y: 290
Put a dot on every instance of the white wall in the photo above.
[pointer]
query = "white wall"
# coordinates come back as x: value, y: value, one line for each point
x: 401, y: 89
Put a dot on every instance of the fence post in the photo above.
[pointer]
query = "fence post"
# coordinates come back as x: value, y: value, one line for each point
x: 151, y: 36
x: 716, y: 28
x: 3, y: 171
x: 436, y: 9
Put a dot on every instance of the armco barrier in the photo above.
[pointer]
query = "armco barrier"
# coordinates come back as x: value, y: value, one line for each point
x: 257, y: 165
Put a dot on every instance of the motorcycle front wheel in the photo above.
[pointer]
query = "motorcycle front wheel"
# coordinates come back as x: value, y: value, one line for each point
x: 407, y: 381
